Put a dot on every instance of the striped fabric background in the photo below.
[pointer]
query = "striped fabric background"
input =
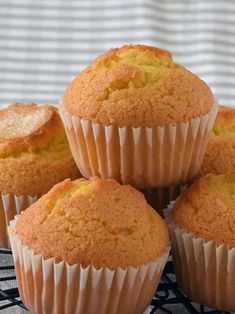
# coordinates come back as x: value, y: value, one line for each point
x: 44, y: 44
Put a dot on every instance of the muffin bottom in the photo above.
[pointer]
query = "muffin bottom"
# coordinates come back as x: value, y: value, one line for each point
x: 205, y: 271
x: 11, y: 205
x: 145, y: 157
x: 159, y: 198
x: 49, y: 287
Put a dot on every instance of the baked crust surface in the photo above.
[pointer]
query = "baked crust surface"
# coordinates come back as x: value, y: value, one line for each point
x: 34, y: 151
x: 137, y: 85
x: 97, y: 222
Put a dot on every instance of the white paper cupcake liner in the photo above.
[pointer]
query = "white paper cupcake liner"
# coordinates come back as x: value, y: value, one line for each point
x: 145, y: 157
x: 47, y: 287
x: 204, y: 270
x: 11, y: 205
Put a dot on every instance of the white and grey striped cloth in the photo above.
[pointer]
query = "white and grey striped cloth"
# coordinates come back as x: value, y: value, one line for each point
x: 44, y: 44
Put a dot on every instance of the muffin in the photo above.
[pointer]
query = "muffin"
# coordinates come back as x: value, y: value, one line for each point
x: 202, y: 227
x: 92, y: 245
x: 220, y: 152
x: 34, y: 155
x: 136, y: 116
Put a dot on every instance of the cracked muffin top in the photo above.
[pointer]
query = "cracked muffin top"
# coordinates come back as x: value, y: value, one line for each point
x: 220, y: 152
x: 34, y: 151
x: 97, y: 222
x: 207, y: 208
x: 29, y: 127
x: 137, y: 85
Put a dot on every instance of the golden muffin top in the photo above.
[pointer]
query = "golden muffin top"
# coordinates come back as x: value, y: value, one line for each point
x: 20, y: 120
x: 34, y: 151
x: 207, y: 208
x: 29, y: 128
x: 220, y: 153
x: 97, y: 222
x: 224, y: 125
x: 137, y: 85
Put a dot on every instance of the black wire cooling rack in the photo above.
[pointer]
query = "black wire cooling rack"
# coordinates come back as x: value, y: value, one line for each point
x: 168, y: 298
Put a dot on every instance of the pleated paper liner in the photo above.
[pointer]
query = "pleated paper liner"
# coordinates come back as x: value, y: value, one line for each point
x: 11, y: 205
x: 144, y: 157
x: 204, y: 270
x: 48, y: 287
